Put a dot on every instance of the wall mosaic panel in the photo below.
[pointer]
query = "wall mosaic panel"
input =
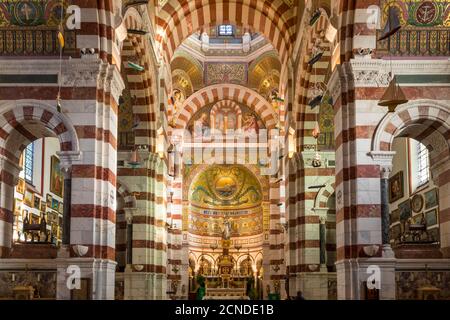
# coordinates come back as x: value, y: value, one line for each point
x: 425, y: 28
x: 225, y: 73
x: 30, y: 28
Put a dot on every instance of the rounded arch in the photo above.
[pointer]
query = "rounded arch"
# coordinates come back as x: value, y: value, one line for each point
x: 275, y: 19
x: 323, y: 195
x: 308, y: 76
x: 429, y: 113
x: 229, y: 105
x: 14, y: 136
x: 124, y: 192
x: 215, y: 93
x: 141, y: 84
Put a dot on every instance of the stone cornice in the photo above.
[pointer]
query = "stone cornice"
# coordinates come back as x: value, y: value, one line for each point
x: 75, y: 72
x: 376, y: 72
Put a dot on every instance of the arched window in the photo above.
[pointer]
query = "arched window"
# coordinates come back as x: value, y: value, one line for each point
x: 225, y: 30
x: 419, y: 164
x: 423, y: 164
x: 28, y: 163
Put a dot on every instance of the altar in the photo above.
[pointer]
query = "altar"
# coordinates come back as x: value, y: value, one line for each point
x: 226, y: 283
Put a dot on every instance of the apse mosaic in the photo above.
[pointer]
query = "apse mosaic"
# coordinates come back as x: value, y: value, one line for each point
x: 424, y: 28
x: 30, y: 27
x: 225, y: 193
x: 226, y: 187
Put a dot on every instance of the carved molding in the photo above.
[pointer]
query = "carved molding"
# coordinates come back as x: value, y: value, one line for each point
x: 376, y: 72
x: 384, y: 160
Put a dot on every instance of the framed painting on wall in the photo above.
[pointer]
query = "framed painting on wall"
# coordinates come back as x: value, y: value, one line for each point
x: 17, y: 206
x: 43, y: 206
x: 396, y: 187
x: 55, y: 204
x: 49, y: 200
x: 431, y: 217
x: 56, y: 177
x: 21, y: 186
x: 60, y: 207
x: 405, y: 210
x: 395, y: 215
x: 37, y: 202
x: 28, y: 198
x: 417, y: 203
x: 431, y: 199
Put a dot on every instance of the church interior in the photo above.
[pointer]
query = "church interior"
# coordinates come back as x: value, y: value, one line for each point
x: 227, y: 149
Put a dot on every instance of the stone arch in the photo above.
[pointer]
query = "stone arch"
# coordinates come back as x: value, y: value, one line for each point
x: 21, y: 123
x: 428, y: 113
x: 322, y: 197
x: 124, y: 192
x: 428, y: 122
x: 142, y: 84
x: 307, y: 77
x: 215, y: 93
x: 14, y: 136
x: 226, y: 104
x: 177, y: 20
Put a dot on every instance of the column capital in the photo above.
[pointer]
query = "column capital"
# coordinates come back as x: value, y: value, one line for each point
x: 384, y: 160
x: 67, y: 159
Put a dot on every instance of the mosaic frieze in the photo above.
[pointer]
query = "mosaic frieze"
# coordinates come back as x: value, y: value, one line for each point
x: 30, y: 27
x: 225, y: 73
x: 31, y: 13
x: 424, y: 28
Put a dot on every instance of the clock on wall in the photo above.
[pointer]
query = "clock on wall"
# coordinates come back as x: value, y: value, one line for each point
x: 417, y: 203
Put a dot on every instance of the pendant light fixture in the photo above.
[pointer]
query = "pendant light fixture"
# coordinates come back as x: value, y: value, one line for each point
x: 393, y: 96
x: 316, y: 52
x: 135, y: 66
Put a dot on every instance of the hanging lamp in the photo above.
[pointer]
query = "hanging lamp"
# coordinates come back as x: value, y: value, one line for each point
x: 393, y: 96
x: 135, y: 66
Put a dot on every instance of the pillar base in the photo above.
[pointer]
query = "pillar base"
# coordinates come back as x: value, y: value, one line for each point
x: 100, y: 272
x: 353, y: 273
x: 145, y: 286
x: 387, y: 251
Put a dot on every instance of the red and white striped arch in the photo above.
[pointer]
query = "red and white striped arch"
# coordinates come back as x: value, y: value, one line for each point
x: 323, y: 195
x: 18, y: 129
x: 429, y: 114
x: 307, y: 78
x: 178, y: 19
x: 428, y: 122
x: 216, y: 93
x: 141, y: 84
